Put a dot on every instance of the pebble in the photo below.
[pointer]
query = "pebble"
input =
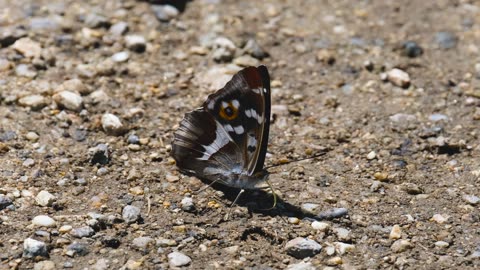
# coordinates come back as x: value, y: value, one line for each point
x: 343, y: 234
x: 398, y: 77
x: 112, y: 125
x: 77, y: 248
x: 178, y: 259
x: 23, y: 70
x: 69, y: 100
x: 4, y: 201
x: 441, y: 244
x: 334, y: 261
x: 118, y: 28
x: 310, y: 207
x: 371, y: 155
x: 437, y: 117
x: 333, y: 213
x: 120, y: 57
x: 245, y: 61
x: 293, y: 220
x: 232, y: 249
x: 65, y: 229
x: 343, y: 248
x: 74, y: 85
x: 29, y: 162
x: 403, y: 118
x: 33, y: 248
x: 32, y: 136
x: 446, y: 40
x: 165, y: 13
x: 254, y: 49
x: 28, y: 47
x: 45, y: 198
x: 85, y: 231
x: 320, y: 226
x: 412, y: 189
x: 35, y: 102
x: 401, y: 245
x: 44, y: 265
x: 439, y: 218
x: 131, y: 213
x: 136, y: 43
x: 301, y: 266
x: 302, y: 247
x: 94, y: 20
x: 187, y: 204
x: 223, y: 49
x: 100, y: 154
x: 411, y: 49
x: 143, y: 243
x: 44, y: 221
x: 396, y: 232
x: 471, y: 199
x: 133, y: 139
x: 101, y: 264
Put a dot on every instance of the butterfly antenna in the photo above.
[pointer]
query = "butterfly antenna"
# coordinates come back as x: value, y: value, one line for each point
x: 233, y: 203
x: 296, y: 160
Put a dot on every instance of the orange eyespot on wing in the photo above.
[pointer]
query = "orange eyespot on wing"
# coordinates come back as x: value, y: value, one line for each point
x: 228, y: 112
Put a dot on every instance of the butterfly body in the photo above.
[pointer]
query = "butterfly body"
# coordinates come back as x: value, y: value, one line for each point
x: 226, y: 139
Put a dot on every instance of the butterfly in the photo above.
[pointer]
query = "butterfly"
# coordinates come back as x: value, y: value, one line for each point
x: 225, y: 140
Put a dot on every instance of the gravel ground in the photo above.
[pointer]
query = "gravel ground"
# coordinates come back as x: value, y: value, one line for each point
x: 91, y: 92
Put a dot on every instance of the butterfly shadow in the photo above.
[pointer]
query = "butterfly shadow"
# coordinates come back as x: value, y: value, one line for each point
x: 262, y: 202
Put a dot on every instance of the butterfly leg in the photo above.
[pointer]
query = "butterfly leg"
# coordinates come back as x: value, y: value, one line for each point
x: 233, y: 203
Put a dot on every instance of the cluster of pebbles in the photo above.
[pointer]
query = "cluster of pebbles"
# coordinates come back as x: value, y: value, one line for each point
x: 90, y: 93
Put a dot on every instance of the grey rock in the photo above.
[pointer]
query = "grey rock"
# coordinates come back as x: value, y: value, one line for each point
x: 77, y: 248
x: 143, y: 243
x: 28, y: 47
x: 101, y: 264
x: 44, y: 221
x: 411, y: 49
x: 33, y: 248
x: 310, y: 207
x: 223, y: 49
x: 302, y: 247
x: 35, y: 102
x: 165, y: 13
x: 343, y: 234
x: 94, y: 20
x: 44, y: 265
x: 74, y: 85
x: 401, y: 245
x: 119, y: 28
x: 187, y: 204
x: 23, y: 70
x: 120, y: 57
x: 178, y: 259
x: 471, y: 199
x: 438, y: 117
x: 45, y: 198
x: 333, y: 213
x: 69, y: 100
x: 254, y: 49
x: 133, y: 139
x: 10, y: 35
x: 85, y: 231
x: 131, y: 213
x: 301, y: 266
x: 403, y: 118
x: 136, y: 43
x: 4, y: 202
x: 44, y: 24
x: 446, y: 40
x: 112, y: 125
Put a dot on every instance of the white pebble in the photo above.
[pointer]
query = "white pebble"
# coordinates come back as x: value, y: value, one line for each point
x: 320, y: 226
x: 69, y: 100
x: 112, y: 125
x: 398, y: 77
x: 45, y: 198
x: 44, y: 221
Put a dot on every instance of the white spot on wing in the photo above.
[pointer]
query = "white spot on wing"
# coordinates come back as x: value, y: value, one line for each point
x: 248, y: 113
x: 228, y: 128
x: 224, y: 104
x: 236, y: 103
x: 239, y: 130
x: 221, y: 139
x: 265, y: 90
x: 211, y: 105
x: 256, y: 91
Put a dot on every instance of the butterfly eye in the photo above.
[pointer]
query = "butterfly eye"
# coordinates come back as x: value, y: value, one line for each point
x: 228, y: 111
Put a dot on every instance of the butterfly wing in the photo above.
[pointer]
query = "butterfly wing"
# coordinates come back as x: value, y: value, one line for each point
x: 226, y: 139
x: 242, y: 107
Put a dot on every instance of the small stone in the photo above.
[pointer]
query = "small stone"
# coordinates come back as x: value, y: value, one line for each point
x: 301, y: 266
x: 403, y: 118
x: 441, y: 244
x: 437, y: 117
x: 401, y: 245
x: 100, y: 154
x: 32, y: 136
x: 120, y: 57
x: 94, y: 20
x: 396, y: 232
x: 136, y: 43
x: 302, y: 247
x: 76, y: 248
x: 411, y: 49
x: 333, y: 213
x: 35, y: 102
x: 133, y: 139
x: 254, y: 49
x: 65, y: 229
x: 398, y: 77
x: 4, y: 202
x: 320, y: 226
x: 131, y: 213
x: 45, y: 198
x: 245, y: 61
x: 137, y: 190
x: 343, y: 248
x: 29, y: 162
x: 44, y: 221
x: 172, y: 178
x: 446, y: 40
x: 439, y: 218
x: 223, y: 49
x: 232, y: 250
x: 343, y: 234
x: 133, y: 265
x: 187, y: 204
x: 69, y: 100
x: 44, y: 265
x: 381, y: 176
x: 471, y: 199
x: 101, y: 264
x: 23, y: 70
x: 5, y: 65
x: 178, y: 259
x: 371, y: 155
x: 293, y: 220
x: 165, y: 13
x: 85, y: 231
x: 118, y: 28
x: 33, y: 248
x: 334, y: 261
x: 310, y: 207
x: 112, y: 125
x: 28, y: 47
x: 143, y: 243
x: 74, y: 85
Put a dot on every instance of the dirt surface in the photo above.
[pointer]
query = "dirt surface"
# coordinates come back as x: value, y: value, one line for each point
x: 91, y: 92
